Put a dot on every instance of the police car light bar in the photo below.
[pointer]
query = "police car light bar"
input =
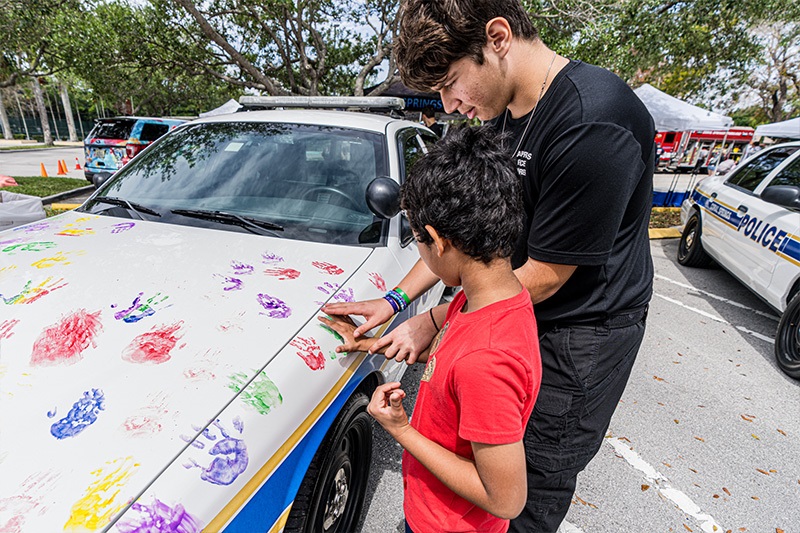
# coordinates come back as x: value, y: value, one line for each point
x: 317, y: 102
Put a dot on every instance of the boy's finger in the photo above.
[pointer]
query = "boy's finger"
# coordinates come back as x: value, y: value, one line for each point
x: 382, y: 343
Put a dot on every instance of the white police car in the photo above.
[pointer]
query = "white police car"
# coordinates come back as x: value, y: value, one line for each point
x: 162, y: 367
x: 748, y: 221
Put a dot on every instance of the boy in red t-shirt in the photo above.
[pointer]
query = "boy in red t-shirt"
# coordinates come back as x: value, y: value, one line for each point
x: 464, y: 462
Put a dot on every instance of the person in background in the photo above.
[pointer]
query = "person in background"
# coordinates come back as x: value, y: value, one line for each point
x: 725, y: 166
x: 464, y: 461
x: 752, y: 149
x: 429, y: 119
x: 582, y: 144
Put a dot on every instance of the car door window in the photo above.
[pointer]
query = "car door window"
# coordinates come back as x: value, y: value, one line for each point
x: 789, y: 175
x: 151, y: 132
x: 410, y: 150
x: 753, y: 172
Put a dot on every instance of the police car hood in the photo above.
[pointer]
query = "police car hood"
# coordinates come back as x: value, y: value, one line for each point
x: 121, y: 340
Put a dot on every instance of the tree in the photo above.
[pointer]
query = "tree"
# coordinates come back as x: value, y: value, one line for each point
x: 303, y: 47
x: 686, y: 48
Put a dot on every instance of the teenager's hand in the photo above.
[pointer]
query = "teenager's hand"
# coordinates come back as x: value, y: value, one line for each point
x: 386, y: 407
x: 408, y: 340
x: 376, y: 312
x: 344, y: 326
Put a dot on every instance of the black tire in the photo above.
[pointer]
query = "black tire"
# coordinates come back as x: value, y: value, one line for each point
x: 332, y: 493
x: 690, y: 249
x: 787, y: 339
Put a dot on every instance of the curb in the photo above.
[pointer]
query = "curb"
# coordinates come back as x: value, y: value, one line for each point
x: 665, y: 233
x: 64, y: 207
x: 67, y: 194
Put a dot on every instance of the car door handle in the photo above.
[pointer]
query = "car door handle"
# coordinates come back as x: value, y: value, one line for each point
x: 742, y: 208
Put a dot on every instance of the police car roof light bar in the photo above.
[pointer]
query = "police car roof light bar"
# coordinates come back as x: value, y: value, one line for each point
x: 311, y: 102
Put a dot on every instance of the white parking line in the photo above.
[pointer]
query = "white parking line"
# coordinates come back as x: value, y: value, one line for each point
x: 715, y: 318
x: 566, y: 527
x: 717, y: 297
x: 661, y: 483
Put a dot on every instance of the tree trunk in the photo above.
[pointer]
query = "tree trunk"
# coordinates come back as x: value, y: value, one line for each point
x: 39, y: 97
x: 73, y: 133
x: 4, y: 119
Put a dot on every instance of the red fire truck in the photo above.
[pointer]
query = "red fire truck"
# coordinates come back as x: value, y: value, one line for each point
x: 684, y: 151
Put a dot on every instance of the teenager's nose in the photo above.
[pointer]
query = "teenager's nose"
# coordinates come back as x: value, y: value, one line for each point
x: 450, y: 104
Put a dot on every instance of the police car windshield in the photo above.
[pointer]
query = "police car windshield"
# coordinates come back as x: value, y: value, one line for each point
x: 754, y: 171
x: 309, y: 179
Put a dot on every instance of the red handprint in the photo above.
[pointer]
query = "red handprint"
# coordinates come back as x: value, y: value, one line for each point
x: 378, y: 281
x: 328, y: 268
x: 310, y: 352
x: 282, y: 273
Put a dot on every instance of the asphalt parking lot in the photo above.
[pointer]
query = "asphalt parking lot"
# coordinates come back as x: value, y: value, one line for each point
x: 705, y: 437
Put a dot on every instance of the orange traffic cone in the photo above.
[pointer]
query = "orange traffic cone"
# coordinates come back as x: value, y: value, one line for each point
x: 61, y: 170
x: 42, y: 170
x: 77, y: 164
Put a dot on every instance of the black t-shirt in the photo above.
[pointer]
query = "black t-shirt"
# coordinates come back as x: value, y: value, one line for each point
x: 437, y: 128
x: 586, y: 164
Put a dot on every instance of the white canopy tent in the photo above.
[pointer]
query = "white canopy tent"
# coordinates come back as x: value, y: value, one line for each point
x: 788, y: 129
x: 231, y: 106
x: 673, y: 114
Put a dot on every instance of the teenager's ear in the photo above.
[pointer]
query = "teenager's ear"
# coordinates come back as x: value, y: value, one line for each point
x: 498, y: 36
x: 439, y: 242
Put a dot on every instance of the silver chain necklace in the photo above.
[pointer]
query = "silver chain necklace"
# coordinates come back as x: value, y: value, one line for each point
x: 530, y: 118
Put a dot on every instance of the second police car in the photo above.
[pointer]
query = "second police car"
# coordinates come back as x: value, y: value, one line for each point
x: 748, y: 221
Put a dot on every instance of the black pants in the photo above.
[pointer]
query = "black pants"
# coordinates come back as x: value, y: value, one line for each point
x: 584, y: 372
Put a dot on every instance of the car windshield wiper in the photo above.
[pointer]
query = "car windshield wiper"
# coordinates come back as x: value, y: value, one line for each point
x: 121, y: 202
x: 230, y: 218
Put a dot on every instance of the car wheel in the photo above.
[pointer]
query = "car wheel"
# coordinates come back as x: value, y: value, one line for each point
x: 332, y: 493
x: 690, y: 249
x: 787, y: 339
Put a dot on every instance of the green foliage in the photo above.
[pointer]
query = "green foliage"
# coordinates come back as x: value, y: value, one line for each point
x: 751, y: 116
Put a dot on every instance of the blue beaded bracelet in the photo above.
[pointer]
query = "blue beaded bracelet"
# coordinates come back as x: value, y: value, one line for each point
x: 393, y: 303
x: 396, y: 300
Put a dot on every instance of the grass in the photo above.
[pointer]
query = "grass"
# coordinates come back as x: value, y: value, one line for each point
x: 38, y: 146
x: 665, y: 217
x: 36, y: 186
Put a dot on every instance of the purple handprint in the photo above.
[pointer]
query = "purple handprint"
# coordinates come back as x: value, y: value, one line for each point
x: 231, y: 454
x: 275, y: 307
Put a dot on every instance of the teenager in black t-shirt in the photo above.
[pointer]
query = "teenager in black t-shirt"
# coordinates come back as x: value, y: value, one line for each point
x: 582, y: 143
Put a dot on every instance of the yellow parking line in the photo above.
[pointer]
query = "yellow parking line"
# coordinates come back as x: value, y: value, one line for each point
x: 664, y: 233
x: 64, y: 207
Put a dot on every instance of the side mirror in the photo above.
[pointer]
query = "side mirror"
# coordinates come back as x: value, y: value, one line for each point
x: 383, y: 197
x: 787, y: 196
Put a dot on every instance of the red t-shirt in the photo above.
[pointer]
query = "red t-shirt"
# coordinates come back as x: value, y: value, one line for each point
x: 479, y: 385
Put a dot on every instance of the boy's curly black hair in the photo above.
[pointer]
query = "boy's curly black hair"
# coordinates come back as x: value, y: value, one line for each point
x: 467, y: 189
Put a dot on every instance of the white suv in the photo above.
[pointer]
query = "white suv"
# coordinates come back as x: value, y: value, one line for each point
x: 748, y: 221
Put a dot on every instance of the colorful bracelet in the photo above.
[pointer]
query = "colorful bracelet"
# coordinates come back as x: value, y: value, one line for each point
x: 393, y: 303
x: 397, y: 299
x: 403, y: 295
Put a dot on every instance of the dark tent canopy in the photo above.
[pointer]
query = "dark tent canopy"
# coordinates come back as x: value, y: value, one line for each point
x: 415, y: 100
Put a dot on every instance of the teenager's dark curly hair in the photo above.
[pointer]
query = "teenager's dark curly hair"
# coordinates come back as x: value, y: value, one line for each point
x: 436, y: 33
x: 467, y: 189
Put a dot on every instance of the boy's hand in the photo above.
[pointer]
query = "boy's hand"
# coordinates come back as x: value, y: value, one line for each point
x: 407, y: 341
x: 376, y: 312
x: 386, y: 407
x: 344, y: 326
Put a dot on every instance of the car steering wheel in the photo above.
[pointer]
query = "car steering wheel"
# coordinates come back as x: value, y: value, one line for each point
x: 322, y: 188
